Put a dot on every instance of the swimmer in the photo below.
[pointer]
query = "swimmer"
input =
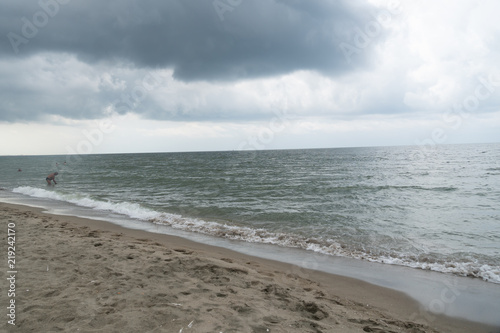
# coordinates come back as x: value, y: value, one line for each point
x: 52, y: 177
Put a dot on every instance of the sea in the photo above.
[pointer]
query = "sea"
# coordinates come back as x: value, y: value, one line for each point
x: 431, y: 208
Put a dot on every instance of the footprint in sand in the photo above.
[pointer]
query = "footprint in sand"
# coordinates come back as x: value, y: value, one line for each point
x: 183, y: 251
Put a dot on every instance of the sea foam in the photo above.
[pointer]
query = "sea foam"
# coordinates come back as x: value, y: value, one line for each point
x: 257, y: 235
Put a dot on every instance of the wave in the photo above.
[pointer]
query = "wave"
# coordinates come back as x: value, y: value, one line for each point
x: 132, y: 210
x: 257, y: 235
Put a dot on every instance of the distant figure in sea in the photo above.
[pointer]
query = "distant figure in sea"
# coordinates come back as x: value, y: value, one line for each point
x: 19, y: 170
x: 52, y: 177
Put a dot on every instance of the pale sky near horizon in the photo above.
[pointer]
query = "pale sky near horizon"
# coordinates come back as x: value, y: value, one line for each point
x: 123, y: 76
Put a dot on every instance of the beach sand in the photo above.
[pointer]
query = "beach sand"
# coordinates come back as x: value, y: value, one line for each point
x: 81, y: 275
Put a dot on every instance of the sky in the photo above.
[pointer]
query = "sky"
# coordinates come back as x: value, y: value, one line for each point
x: 122, y: 76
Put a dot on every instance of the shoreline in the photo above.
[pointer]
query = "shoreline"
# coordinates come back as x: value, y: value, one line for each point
x: 95, y: 276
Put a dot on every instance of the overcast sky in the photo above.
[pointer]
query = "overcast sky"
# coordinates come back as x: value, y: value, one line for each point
x: 93, y: 76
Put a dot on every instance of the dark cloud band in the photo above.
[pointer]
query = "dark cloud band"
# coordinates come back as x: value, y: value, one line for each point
x: 200, y: 40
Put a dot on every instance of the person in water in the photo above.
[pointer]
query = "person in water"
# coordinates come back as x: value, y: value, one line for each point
x: 52, y: 177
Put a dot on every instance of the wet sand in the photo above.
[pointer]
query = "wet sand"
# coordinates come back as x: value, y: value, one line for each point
x: 81, y: 275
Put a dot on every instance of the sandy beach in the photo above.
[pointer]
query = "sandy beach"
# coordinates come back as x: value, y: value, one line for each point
x: 81, y: 275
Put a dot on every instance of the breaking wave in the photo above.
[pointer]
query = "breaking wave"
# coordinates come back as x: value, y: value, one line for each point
x: 470, y: 268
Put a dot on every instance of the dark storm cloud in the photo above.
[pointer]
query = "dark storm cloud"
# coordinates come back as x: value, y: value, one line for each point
x: 200, y: 40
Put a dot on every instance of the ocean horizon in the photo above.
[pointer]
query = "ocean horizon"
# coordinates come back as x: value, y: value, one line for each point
x: 433, y: 208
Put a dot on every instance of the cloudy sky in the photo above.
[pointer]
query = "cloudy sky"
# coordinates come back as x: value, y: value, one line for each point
x: 93, y: 76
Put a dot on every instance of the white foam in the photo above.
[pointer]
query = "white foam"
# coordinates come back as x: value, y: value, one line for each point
x: 247, y: 234
x: 132, y: 210
x: 37, y: 192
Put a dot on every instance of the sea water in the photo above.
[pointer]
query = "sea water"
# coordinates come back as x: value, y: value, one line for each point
x: 433, y: 208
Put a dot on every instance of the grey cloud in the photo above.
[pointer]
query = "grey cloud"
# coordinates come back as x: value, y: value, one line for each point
x: 254, y: 39
x: 257, y: 38
x: 33, y: 105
